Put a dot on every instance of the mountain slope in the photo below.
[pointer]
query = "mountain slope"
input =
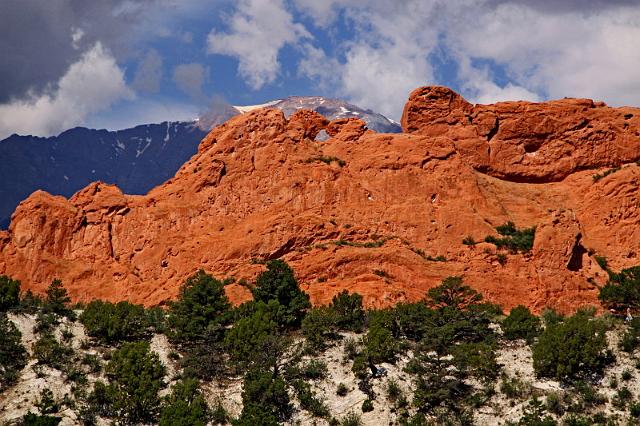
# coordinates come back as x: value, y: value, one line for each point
x: 135, y: 159
x: 381, y: 214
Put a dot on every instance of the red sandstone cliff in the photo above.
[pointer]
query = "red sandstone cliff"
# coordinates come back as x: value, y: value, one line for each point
x: 256, y: 191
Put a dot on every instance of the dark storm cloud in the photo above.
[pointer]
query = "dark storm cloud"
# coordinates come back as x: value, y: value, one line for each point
x: 564, y: 6
x: 35, y: 37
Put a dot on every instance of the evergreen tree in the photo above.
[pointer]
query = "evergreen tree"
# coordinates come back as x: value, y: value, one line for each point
x: 57, y: 299
x: 9, y: 293
x: 201, y: 311
x: 278, y: 283
x: 13, y: 356
x: 185, y: 406
x: 572, y: 349
x: 136, y: 377
x: 521, y: 324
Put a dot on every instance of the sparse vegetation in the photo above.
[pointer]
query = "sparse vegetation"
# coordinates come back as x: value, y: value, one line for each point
x: 596, y: 177
x: 572, y: 349
x: 9, y: 293
x: 521, y: 324
x: 434, y: 360
x: 12, y: 352
x: 136, y: 377
x: 513, y: 239
x: 622, y: 291
x: 117, y: 322
x: 325, y: 159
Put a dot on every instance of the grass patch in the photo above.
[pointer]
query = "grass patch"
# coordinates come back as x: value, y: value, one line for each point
x: 325, y: 159
x: 368, y: 244
x: 425, y: 256
x: 604, y: 174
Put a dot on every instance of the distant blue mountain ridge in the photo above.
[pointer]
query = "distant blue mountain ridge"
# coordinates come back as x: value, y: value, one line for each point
x: 135, y: 159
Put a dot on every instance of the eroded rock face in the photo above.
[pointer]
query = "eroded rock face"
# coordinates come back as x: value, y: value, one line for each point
x: 525, y: 141
x: 262, y: 187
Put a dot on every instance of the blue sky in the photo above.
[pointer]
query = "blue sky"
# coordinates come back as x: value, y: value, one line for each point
x: 117, y: 63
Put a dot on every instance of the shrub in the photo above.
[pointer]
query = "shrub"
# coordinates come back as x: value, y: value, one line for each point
x: 30, y: 303
x: 348, y: 311
x: 118, y: 322
x: 31, y: 419
x: 278, y: 283
x: 394, y: 391
x: 254, y: 340
x: 571, y: 349
x: 588, y: 394
x: 596, y: 177
x: 13, y: 356
x: 9, y: 293
x: 550, y: 317
x: 534, y: 415
x: 47, y: 403
x: 513, y: 239
x: 514, y: 387
x: 437, y: 383
x: 264, y: 399
x: 48, y: 351
x: 219, y: 415
x: 309, y: 401
x: 201, y: 311
x: 521, y: 324
x: 367, y: 406
x: 318, y: 327
x: 622, y: 291
x: 342, y: 389
x: 315, y: 370
x: 469, y: 241
x: 622, y: 398
x: 351, y: 348
x: 136, y: 376
x: 185, y: 406
x: 477, y: 359
x: 408, y: 320
x: 554, y: 404
x: 380, y: 344
x: 351, y: 419
x: 631, y: 337
x: 204, y: 361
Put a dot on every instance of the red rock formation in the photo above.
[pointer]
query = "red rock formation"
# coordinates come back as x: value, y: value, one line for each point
x: 257, y: 190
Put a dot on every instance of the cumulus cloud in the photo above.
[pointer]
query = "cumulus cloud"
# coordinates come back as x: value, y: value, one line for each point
x: 541, y: 48
x: 91, y: 84
x: 190, y: 78
x: 39, y: 39
x: 563, y: 54
x: 257, y: 31
x: 149, y: 73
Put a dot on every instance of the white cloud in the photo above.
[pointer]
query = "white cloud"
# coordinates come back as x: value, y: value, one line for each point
x: 563, y: 54
x: 539, y: 52
x: 90, y: 85
x: 478, y: 85
x: 323, y: 12
x: 257, y: 31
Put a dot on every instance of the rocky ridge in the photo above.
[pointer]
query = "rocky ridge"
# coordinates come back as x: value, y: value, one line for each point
x: 383, y: 215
